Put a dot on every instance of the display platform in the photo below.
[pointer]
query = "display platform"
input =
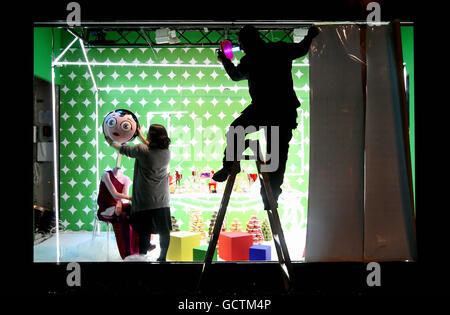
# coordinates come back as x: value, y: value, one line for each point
x: 81, y: 246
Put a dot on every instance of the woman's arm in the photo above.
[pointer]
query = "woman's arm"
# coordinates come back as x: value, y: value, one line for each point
x: 131, y: 151
x: 141, y: 136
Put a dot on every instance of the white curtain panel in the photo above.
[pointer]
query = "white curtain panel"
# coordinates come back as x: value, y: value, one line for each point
x: 389, y: 232
x: 336, y: 181
x: 359, y: 204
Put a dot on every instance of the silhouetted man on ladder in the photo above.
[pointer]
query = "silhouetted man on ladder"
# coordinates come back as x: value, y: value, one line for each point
x: 268, y: 69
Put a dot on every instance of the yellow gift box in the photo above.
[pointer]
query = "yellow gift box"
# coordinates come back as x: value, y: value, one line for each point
x: 181, y: 245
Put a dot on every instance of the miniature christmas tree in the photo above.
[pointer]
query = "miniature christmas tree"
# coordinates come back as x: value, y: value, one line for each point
x: 196, y: 224
x: 266, y: 230
x: 254, y: 228
x: 213, y: 222
x: 235, y: 226
x: 175, y: 226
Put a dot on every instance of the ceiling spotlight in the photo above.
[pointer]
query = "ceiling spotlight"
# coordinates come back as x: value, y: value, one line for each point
x: 299, y: 34
x: 166, y: 36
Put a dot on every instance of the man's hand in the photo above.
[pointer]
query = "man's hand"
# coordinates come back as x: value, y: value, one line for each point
x: 221, y: 56
x: 313, y: 31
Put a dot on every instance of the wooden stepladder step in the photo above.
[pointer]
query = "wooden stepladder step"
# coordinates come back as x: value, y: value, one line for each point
x: 275, y: 224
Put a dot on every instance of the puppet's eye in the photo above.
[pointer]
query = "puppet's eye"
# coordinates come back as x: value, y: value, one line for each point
x: 111, y: 122
x: 126, y: 126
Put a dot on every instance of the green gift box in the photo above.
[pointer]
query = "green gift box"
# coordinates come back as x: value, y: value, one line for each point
x: 199, y: 253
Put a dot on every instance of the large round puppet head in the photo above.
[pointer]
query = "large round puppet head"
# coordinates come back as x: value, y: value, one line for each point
x: 120, y: 125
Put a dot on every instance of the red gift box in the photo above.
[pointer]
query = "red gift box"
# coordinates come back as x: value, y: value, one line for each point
x: 234, y: 245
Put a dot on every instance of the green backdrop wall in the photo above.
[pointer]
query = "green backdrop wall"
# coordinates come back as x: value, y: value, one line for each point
x: 43, y: 39
x: 407, y: 33
x: 196, y: 101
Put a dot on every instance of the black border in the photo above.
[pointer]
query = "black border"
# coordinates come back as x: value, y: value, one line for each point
x: 167, y: 284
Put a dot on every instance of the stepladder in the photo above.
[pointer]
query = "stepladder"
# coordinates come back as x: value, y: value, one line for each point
x: 275, y: 225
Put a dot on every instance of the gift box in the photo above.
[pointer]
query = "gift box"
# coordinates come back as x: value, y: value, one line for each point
x: 259, y: 252
x: 234, y: 245
x: 181, y: 245
x: 199, y: 253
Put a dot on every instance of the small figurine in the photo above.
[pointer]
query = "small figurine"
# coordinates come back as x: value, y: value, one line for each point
x: 178, y: 177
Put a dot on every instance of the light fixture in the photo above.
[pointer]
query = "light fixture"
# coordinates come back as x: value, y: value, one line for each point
x: 299, y: 34
x: 166, y: 36
x: 173, y: 39
x: 162, y: 36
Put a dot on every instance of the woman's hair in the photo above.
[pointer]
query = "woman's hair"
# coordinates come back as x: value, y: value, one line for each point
x: 157, y: 136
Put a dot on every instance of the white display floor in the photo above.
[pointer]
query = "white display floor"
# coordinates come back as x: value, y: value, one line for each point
x: 81, y: 246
